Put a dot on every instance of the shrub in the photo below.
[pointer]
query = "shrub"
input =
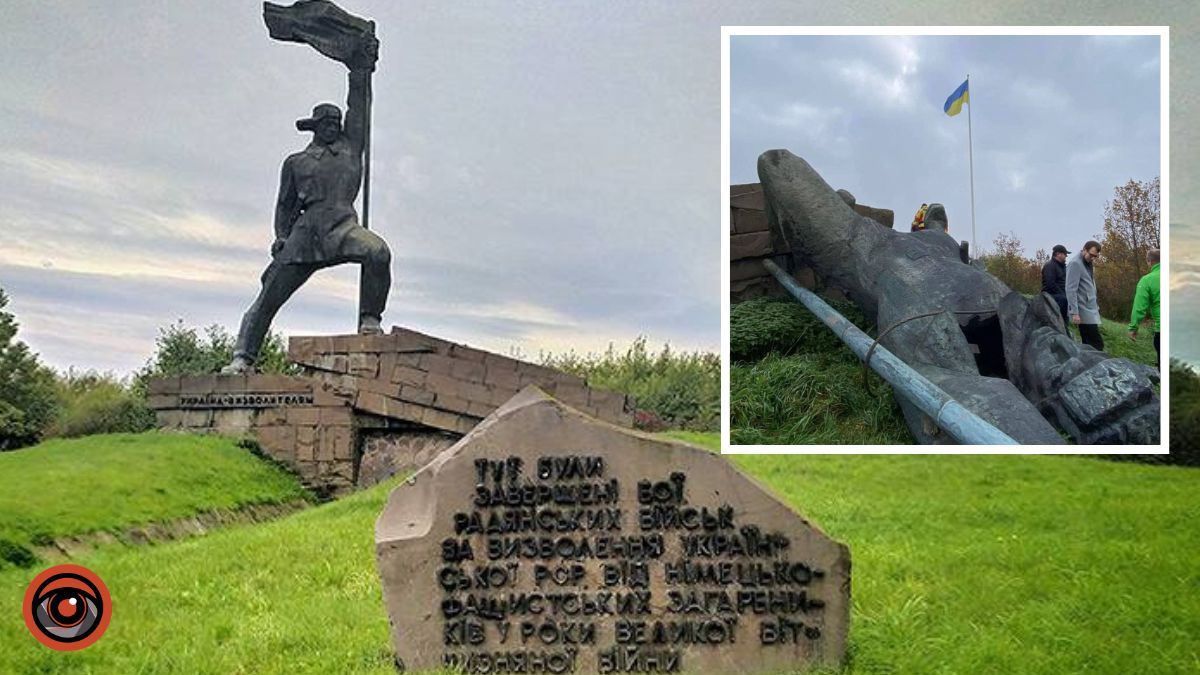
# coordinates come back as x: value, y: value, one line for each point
x: 181, y: 350
x: 93, y: 403
x: 1184, y: 418
x: 683, y: 389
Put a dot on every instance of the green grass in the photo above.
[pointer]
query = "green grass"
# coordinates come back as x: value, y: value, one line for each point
x: 116, y: 481
x: 992, y: 564
x: 793, y: 383
x: 982, y: 564
x: 705, y: 439
x: 1117, y: 342
x: 299, y: 594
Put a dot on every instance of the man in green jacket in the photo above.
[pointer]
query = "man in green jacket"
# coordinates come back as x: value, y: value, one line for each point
x: 1145, y: 302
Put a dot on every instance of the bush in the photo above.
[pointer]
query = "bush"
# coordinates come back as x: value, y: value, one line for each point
x: 1184, y: 419
x: 181, y: 350
x: 92, y: 403
x: 682, y: 388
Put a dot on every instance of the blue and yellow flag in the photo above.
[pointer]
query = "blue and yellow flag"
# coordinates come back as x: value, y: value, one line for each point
x: 955, y: 103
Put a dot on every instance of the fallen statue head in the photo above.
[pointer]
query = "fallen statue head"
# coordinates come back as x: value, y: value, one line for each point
x: 1005, y: 357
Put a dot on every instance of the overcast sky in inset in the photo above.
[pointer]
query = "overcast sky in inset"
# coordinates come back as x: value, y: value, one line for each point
x: 546, y: 173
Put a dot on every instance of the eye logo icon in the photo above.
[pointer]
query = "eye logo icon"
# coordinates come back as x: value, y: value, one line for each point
x: 67, y: 607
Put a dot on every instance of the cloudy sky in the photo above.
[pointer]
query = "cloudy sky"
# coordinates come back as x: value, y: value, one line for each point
x: 547, y: 174
x: 1057, y: 121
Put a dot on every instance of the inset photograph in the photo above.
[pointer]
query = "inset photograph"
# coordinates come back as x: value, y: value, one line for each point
x: 946, y: 239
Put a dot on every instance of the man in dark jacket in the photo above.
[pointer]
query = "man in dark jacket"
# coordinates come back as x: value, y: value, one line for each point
x: 1054, y: 280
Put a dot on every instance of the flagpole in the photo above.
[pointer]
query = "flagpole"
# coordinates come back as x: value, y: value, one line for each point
x: 971, y: 158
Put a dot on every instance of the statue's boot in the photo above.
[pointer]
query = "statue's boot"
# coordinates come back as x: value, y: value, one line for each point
x: 990, y: 359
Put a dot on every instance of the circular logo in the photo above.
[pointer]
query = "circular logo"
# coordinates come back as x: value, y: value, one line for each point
x: 67, y: 607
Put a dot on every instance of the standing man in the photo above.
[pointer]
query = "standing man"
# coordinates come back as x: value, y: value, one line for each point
x: 919, y: 219
x: 1145, y: 302
x: 316, y: 225
x: 1054, y: 281
x: 1081, y: 295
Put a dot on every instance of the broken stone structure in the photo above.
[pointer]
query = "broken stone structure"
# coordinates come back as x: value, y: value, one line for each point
x: 1005, y: 357
x: 751, y: 241
x: 547, y: 541
x: 366, y: 407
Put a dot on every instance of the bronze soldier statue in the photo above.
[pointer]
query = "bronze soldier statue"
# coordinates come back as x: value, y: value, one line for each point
x: 1006, y: 358
x: 316, y: 225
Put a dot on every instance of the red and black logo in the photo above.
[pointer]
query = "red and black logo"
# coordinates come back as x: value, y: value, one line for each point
x: 67, y: 607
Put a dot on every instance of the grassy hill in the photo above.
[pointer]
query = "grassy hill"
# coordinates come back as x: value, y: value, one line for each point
x: 962, y: 564
x: 113, y: 482
x: 793, y: 382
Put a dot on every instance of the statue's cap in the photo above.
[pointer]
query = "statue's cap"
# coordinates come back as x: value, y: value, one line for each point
x: 320, y: 112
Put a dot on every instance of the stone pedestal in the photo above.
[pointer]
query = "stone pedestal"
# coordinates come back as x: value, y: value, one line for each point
x: 392, y: 401
x: 298, y: 422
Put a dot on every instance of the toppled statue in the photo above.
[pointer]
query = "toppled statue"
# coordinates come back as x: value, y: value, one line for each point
x: 1006, y: 358
x: 316, y: 225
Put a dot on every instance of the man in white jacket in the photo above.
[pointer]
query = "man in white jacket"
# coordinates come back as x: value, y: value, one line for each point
x: 1081, y: 295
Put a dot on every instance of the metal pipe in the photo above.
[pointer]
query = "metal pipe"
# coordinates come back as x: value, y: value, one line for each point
x: 963, y: 425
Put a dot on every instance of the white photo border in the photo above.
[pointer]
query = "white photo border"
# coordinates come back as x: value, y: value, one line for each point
x: 1162, y: 32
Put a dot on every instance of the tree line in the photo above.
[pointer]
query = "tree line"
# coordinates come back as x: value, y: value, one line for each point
x: 38, y: 402
x: 1131, y: 228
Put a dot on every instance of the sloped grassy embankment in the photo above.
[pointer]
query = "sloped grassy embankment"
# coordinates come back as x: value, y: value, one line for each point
x: 112, y: 483
x: 999, y: 564
x: 793, y: 382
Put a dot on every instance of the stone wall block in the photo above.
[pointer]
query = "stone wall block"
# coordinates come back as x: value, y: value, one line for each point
x: 410, y: 359
x: 337, y: 417
x: 162, y: 401
x: 233, y: 422
x: 501, y: 377
x: 364, y: 364
x: 405, y: 375
x: 437, y: 364
x: 163, y: 385
x: 471, y: 371
x: 197, y: 418
x: 325, y: 396
x: 226, y: 384
x: 452, y: 403
x: 746, y: 221
x: 278, y: 441
x: 268, y: 416
x: 480, y: 410
x: 418, y: 395
x: 750, y: 245
x: 169, y: 419
x: 466, y: 353
x: 496, y: 362
x: 325, y: 443
x: 198, y: 384
x: 303, y: 416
